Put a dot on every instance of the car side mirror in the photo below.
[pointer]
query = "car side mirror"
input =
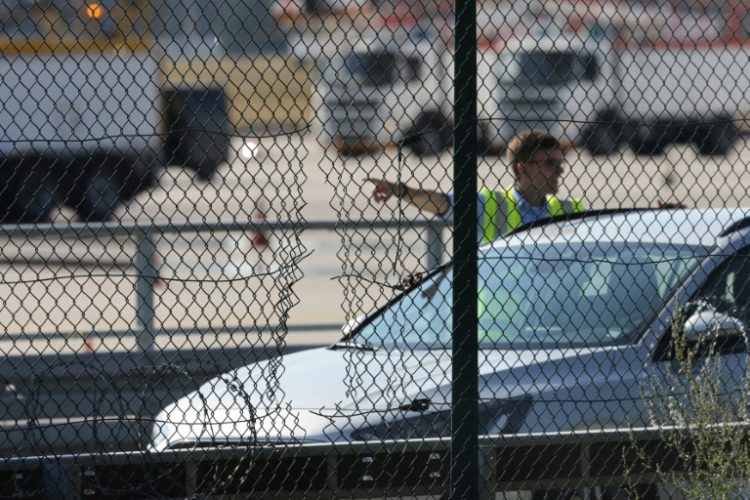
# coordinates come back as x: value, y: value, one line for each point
x: 710, y: 324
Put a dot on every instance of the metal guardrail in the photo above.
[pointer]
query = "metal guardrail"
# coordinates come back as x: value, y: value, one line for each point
x: 143, y: 261
x: 60, y: 387
x: 575, y: 460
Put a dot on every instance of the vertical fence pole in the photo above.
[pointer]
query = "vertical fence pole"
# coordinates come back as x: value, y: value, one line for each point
x: 464, y: 467
x: 144, y: 290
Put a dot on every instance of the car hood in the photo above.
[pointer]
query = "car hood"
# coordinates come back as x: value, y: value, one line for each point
x: 323, y: 395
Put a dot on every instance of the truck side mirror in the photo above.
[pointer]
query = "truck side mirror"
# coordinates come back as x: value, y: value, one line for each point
x: 710, y: 325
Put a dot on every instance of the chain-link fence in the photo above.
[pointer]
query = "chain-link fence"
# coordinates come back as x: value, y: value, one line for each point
x: 529, y: 218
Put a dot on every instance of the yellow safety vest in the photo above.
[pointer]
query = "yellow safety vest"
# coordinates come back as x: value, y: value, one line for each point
x: 504, y: 219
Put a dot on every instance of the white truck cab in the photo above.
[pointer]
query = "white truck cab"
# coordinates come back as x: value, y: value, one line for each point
x: 589, y: 91
x: 554, y: 83
x: 388, y: 88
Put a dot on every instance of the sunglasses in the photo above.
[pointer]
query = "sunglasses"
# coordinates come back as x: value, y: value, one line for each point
x: 552, y: 164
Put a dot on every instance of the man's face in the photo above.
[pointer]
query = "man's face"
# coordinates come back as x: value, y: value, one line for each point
x: 543, y: 171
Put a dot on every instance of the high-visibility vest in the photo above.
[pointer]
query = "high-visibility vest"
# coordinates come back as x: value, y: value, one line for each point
x: 502, y: 218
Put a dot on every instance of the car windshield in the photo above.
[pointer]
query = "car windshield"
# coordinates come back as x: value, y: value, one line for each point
x: 541, y: 296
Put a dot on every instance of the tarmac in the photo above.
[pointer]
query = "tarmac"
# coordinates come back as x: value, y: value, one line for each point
x: 219, y: 289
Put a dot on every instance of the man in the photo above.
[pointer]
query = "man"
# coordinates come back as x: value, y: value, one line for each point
x: 536, y: 158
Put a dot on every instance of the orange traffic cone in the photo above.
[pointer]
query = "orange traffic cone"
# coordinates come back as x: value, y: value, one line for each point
x: 89, y: 343
x: 246, y: 251
x: 258, y: 239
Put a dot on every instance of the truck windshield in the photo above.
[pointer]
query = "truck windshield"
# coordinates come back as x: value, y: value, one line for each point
x: 382, y: 68
x: 542, y: 296
x: 549, y: 68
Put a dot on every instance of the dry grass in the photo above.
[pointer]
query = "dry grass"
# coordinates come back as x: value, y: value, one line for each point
x: 701, y: 421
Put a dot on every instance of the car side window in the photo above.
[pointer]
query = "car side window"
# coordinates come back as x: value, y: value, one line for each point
x: 727, y: 290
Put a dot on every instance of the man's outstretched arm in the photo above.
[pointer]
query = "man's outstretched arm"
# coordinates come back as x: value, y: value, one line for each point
x: 428, y: 200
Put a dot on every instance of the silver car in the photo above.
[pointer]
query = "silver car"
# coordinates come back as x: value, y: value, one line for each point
x: 574, y: 327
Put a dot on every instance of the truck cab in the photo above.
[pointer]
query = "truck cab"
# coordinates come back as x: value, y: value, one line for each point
x: 388, y: 88
x: 554, y: 83
x: 597, y: 89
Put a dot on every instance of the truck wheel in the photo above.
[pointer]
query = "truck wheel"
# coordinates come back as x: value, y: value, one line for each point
x: 716, y: 138
x: 135, y: 174
x: 347, y: 147
x: 600, y: 139
x: 651, y: 143
x: 198, y: 129
x: 97, y: 196
x: 603, y: 136
x: 27, y: 195
x: 431, y: 134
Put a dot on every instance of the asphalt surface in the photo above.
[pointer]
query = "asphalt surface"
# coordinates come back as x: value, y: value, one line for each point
x: 80, y: 292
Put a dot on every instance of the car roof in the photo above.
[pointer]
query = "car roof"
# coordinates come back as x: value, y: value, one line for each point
x: 693, y: 226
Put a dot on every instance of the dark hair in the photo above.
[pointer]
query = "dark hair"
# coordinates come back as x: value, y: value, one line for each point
x: 522, y: 146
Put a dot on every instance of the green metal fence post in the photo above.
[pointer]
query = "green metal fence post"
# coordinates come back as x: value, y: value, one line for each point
x: 464, y: 467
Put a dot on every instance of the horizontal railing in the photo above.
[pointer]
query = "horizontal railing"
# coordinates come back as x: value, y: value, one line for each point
x: 146, y: 272
x: 576, y: 460
x: 60, y: 386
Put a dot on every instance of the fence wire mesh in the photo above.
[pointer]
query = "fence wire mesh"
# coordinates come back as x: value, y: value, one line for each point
x: 198, y: 196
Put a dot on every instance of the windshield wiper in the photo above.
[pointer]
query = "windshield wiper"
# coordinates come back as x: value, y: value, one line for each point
x: 360, y: 346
